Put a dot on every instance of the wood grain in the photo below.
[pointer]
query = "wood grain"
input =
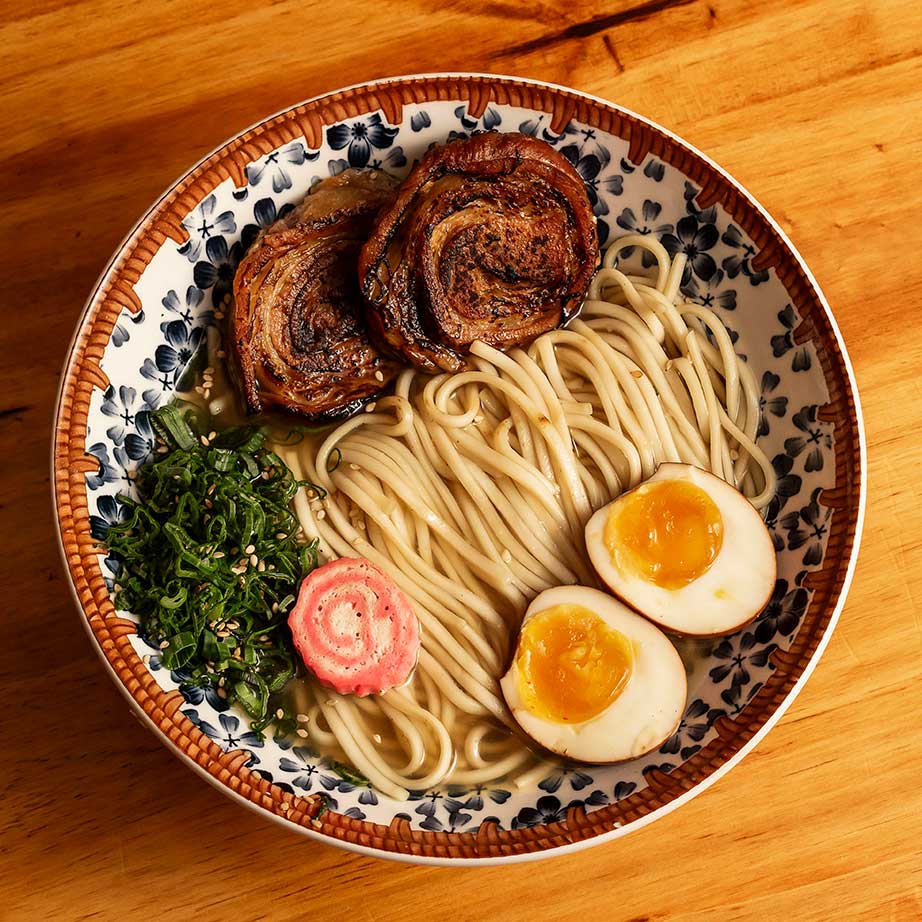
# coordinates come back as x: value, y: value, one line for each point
x: 815, y: 106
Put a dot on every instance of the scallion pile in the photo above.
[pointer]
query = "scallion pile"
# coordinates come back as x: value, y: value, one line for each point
x: 210, y: 559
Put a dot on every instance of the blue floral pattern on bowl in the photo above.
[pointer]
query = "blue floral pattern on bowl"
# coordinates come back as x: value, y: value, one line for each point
x: 153, y: 353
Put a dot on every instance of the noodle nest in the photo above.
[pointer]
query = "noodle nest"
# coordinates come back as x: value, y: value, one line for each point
x: 472, y: 491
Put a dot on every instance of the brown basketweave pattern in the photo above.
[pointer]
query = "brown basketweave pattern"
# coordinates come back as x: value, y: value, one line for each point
x: 165, y: 222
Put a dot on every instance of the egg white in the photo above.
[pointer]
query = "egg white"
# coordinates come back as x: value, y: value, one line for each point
x: 646, y: 712
x: 728, y: 595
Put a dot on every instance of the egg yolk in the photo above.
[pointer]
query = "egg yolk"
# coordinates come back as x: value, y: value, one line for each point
x: 571, y: 665
x: 668, y: 532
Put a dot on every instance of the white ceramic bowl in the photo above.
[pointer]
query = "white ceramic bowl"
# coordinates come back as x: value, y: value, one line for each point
x: 148, y: 315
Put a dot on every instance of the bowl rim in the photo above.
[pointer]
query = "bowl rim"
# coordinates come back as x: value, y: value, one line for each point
x: 413, y: 857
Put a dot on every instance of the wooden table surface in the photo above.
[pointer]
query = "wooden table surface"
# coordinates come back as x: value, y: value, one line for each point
x: 815, y: 105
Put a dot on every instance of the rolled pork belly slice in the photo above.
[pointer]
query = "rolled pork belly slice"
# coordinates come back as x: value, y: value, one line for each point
x: 298, y: 335
x: 491, y: 238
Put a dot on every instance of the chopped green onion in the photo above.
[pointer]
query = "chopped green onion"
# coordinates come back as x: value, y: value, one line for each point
x: 349, y: 774
x: 172, y: 425
x: 180, y: 651
x: 184, y: 570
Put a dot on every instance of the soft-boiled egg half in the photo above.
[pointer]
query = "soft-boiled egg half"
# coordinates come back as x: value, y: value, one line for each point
x: 591, y: 679
x: 686, y: 550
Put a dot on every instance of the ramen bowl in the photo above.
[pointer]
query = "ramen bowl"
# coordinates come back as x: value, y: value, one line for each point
x: 136, y: 345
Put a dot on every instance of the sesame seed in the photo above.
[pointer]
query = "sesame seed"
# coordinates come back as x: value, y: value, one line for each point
x: 281, y: 536
x: 264, y: 475
x: 117, y: 587
x: 237, y: 653
x: 302, y: 733
x: 271, y: 567
x: 379, y: 376
x: 218, y: 555
x: 275, y: 607
x: 208, y: 504
x: 354, y: 467
x: 223, y: 633
x: 164, y: 644
x: 316, y: 824
x: 199, y: 389
x: 209, y: 371
x: 311, y: 494
x: 280, y: 713
x: 220, y: 353
x: 668, y: 365
x: 145, y: 659
x: 249, y: 549
x: 734, y: 454
x: 371, y: 407
x: 357, y: 541
x: 284, y: 807
x: 636, y: 374
x: 377, y: 737
x: 302, y: 718
x: 222, y: 693
x: 253, y: 560
x: 211, y: 434
x: 261, y: 566
x: 203, y: 439
x: 221, y: 682
x: 507, y: 556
